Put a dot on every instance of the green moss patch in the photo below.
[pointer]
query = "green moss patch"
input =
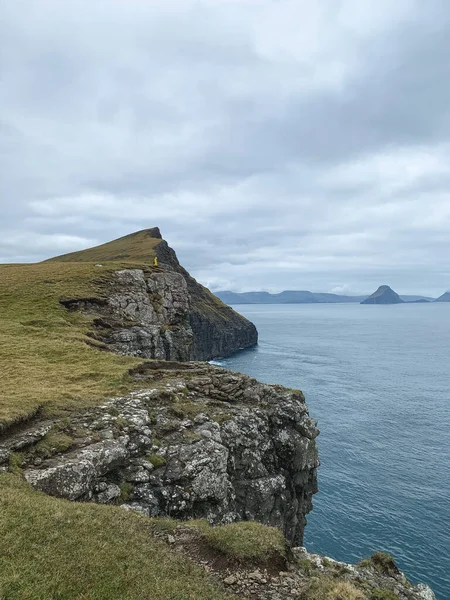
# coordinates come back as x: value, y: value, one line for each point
x: 156, y: 460
x: 381, y: 562
x: 327, y: 588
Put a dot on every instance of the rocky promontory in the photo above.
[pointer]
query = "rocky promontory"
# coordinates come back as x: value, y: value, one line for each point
x: 196, y: 442
x: 159, y: 310
x: 129, y: 469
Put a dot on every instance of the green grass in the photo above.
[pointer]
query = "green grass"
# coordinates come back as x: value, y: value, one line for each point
x: 139, y: 246
x: 53, y: 549
x: 381, y: 562
x: 244, y: 541
x: 44, y: 358
x: 54, y: 441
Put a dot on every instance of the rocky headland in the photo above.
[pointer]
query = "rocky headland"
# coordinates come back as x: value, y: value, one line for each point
x: 189, y: 445
x: 160, y: 311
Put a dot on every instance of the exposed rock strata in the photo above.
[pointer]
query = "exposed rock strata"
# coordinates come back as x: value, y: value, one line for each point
x: 161, y: 311
x: 203, y: 442
x: 165, y: 315
x: 218, y: 330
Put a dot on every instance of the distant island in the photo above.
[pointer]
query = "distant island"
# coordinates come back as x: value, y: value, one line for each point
x: 300, y: 297
x: 383, y: 295
x: 444, y: 298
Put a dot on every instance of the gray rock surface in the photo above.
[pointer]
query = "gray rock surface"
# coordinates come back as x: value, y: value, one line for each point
x: 206, y: 443
x: 390, y: 580
x: 218, y: 330
x: 155, y: 310
x: 166, y: 315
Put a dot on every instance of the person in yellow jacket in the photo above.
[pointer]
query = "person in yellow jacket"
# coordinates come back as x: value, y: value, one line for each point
x: 155, y: 261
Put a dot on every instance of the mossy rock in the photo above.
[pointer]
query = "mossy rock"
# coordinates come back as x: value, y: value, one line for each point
x: 381, y: 562
x: 53, y: 443
x: 156, y: 460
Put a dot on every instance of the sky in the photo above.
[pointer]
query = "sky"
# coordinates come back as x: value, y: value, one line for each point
x: 278, y: 144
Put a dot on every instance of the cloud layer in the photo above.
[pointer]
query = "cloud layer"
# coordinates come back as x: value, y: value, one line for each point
x: 278, y: 144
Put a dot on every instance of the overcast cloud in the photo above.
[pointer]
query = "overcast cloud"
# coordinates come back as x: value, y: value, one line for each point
x: 278, y: 144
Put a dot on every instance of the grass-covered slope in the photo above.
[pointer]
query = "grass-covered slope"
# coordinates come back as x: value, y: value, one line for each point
x: 135, y: 247
x: 44, y: 358
x: 58, y: 550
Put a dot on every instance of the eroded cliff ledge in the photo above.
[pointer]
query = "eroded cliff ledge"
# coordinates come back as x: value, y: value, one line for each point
x: 198, y: 442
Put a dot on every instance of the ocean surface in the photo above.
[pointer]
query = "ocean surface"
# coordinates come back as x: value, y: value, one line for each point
x: 377, y: 379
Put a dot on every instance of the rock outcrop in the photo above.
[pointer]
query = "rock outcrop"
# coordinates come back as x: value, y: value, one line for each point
x: 383, y: 295
x: 200, y: 442
x: 161, y: 312
x: 218, y: 330
x: 311, y: 576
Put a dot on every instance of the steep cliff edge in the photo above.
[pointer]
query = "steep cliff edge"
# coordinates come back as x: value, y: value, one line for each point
x: 135, y: 443
x: 197, y: 442
x: 162, y: 312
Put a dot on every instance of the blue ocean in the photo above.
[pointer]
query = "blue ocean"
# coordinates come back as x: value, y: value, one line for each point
x: 377, y: 379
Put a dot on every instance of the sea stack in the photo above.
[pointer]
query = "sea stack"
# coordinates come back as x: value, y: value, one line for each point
x: 383, y: 295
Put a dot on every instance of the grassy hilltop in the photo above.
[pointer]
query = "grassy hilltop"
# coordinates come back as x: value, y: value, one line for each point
x: 47, y: 361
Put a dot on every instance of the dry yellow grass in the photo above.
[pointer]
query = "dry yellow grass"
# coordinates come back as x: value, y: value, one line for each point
x: 139, y: 246
x: 345, y: 590
x: 44, y: 359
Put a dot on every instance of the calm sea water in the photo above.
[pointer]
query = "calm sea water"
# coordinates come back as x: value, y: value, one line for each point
x: 377, y: 379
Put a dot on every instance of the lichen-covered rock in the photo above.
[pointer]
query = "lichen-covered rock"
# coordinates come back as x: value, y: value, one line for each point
x: 148, y: 316
x: 205, y: 444
x: 166, y: 315
x: 373, y: 581
x: 76, y: 474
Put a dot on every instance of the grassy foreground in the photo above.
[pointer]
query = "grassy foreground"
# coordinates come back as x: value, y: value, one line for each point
x: 53, y: 549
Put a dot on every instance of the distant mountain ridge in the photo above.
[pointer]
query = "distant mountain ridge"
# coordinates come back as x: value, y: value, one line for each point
x: 298, y: 297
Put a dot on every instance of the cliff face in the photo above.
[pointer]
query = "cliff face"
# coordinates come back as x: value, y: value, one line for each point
x: 199, y: 442
x: 162, y: 312
x: 217, y: 329
x: 195, y: 441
